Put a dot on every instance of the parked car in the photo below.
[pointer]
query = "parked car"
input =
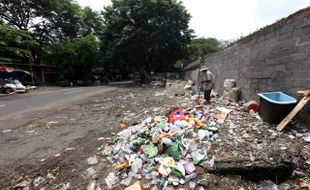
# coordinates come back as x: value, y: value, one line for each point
x: 9, y: 85
x: 6, y: 87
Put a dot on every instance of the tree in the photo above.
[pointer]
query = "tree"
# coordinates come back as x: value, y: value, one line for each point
x: 56, y: 20
x: 201, y: 47
x: 75, y: 59
x: 15, y: 45
x: 92, y: 22
x: 144, y: 34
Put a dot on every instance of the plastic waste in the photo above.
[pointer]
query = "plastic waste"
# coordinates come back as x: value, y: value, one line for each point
x: 150, y: 151
x: 163, y: 150
x: 125, y: 134
x: 175, y: 115
x: 166, y: 141
x: 168, y: 162
x: 174, y: 150
x: 202, y: 134
x: 174, y: 180
x: 180, y: 124
x: 199, y: 158
x: 127, y: 180
x: 189, y: 167
x: 190, y: 176
x: 192, y: 185
x: 136, y: 165
x: 122, y: 166
x: 164, y: 171
x: 160, y: 125
x: 251, y: 105
x: 138, y: 141
x: 178, y: 170
x: 111, y: 180
x: 198, y: 123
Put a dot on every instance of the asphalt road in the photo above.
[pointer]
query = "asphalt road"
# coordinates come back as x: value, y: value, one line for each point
x: 15, y: 105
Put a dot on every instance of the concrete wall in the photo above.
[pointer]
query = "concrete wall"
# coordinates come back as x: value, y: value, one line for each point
x: 276, y: 58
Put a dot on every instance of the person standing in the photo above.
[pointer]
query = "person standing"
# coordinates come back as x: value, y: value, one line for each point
x: 206, y: 83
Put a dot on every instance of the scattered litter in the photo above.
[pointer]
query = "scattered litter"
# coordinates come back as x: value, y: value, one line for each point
x: 111, y: 180
x: 168, y: 147
x: 135, y: 186
x: 127, y: 180
x: 224, y: 110
x: 57, y: 155
x: 251, y: 105
x: 307, y: 139
x: 39, y: 181
x: 70, y: 149
x: 92, y: 160
x: 90, y: 173
x: 123, y: 125
x: 52, y: 122
x: 192, y: 185
x: 6, y: 130
x: 91, y: 185
x: 22, y: 184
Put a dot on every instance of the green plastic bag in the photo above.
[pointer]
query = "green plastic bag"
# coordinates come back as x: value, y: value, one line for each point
x: 174, y: 150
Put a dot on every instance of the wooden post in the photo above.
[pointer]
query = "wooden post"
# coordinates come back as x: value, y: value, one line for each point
x: 297, y: 108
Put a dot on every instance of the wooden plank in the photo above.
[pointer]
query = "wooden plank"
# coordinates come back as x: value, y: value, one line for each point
x: 292, y: 114
x: 305, y: 93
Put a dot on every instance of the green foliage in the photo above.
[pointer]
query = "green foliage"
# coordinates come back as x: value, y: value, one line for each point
x: 56, y: 20
x: 75, y: 59
x: 201, y: 47
x: 144, y: 34
x: 92, y: 22
x: 15, y: 45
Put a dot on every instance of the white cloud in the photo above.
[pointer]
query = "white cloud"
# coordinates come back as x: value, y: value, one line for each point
x: 228, y: 19
x: 225, y: 19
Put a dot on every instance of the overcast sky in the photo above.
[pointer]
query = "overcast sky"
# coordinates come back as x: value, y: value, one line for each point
x: 228, y: 19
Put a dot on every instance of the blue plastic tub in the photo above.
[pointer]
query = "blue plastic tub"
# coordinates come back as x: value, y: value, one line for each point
x: 275, y: 106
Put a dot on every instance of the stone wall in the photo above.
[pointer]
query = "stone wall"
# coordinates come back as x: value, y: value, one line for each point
x: 275, y: 58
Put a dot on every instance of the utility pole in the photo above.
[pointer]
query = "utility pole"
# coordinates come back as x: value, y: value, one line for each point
x: 30, y: 65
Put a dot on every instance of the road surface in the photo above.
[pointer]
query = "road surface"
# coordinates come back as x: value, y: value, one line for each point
x: 12, y: 106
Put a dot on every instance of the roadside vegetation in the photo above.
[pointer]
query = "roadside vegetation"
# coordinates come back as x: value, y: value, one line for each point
x: 123, y: 38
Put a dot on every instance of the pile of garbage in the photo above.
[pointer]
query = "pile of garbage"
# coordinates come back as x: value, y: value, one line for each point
x: 164, y: 150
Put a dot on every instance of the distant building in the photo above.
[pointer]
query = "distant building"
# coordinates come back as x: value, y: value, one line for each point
x: 42, y: 74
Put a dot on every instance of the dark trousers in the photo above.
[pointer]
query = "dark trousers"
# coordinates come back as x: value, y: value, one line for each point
x: 207, y: 94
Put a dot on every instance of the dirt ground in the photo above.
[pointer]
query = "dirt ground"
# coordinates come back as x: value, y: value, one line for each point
x: 50, y: 152
x: 24, y: 149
